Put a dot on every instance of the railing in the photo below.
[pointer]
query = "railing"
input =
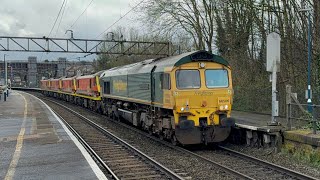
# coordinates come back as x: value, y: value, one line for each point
x: 298, y: 115
x: 302, y: 116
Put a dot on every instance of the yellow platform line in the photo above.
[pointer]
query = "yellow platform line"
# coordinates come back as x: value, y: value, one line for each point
x: 17, y: 152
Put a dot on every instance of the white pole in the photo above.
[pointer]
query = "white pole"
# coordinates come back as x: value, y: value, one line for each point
x: 275, y: 104
x: 5, y: 71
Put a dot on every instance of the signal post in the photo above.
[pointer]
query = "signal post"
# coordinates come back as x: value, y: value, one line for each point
x: 273, y: 66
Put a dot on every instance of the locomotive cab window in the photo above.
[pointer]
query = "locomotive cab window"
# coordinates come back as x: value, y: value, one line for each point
x: 106, y: 87
x: 217, y: 78
x: 188, y: 79
x: 165, y: 81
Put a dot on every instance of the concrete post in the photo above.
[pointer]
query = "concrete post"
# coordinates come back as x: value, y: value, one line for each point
x: 275, y: 103
x: 314, y: 120
x: 288, y: 108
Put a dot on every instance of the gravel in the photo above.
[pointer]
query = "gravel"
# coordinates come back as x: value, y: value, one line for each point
x: 280, y: 158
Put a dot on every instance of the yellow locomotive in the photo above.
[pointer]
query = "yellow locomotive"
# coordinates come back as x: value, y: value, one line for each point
x: 185, y: 98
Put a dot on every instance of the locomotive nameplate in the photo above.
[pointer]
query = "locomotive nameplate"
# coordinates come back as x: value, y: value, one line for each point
x: 223, y: 100
x: 203, y: 93
x: 119, y: 85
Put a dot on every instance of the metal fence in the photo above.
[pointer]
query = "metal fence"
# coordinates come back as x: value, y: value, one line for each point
x: 301, y: 118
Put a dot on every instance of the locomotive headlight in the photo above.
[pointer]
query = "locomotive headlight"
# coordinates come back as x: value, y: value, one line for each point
x: 224, y: 107
x: 202, y: 65
x: 182, y: 109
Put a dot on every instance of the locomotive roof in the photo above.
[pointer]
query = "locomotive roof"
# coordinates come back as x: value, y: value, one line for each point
x: 195, y: 56
x: 169, y: 63
x: 67, y: 78
x: 90, y: 75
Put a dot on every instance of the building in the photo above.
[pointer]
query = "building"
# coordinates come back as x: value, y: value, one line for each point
x: 28, y: 73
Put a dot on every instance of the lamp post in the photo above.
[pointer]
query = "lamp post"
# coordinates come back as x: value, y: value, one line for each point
x: 308, y: 93
x: 11, y: 75
x: 5, y: 73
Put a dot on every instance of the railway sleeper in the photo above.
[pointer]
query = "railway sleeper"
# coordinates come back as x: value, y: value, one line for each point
x: 128, y: 162
x: 137, y: 173
x: 129, y: 166
x: 136, y: 169
x: 121, y: 160
x: 143, y: 177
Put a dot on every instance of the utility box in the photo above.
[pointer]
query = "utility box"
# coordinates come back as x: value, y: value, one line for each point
x: 273, y: 52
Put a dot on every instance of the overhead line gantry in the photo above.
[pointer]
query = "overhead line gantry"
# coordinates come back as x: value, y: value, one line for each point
x: 90, y: 46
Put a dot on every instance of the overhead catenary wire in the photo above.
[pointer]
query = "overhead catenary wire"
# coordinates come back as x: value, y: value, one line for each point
x: 64, y: 9
x: 120, y: 18
x: 81, y: 14
x: 54, y: 24
x: 75, y: 23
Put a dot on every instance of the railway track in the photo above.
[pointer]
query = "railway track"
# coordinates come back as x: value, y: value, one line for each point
x: 259, y: 166
x: 118, y: 158
x: 237, y: 164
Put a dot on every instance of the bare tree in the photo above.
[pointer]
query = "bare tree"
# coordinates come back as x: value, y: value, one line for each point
x: 194, y: 17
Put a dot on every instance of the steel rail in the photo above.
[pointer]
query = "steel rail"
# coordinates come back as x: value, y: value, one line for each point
x: 270, y: 165
x: 170, y: 174
x: 88, y: 147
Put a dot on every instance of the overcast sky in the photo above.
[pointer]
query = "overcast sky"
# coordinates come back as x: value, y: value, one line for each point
x: 36, y: 17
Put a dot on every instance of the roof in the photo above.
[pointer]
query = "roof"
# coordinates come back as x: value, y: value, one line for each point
x: 90, y: 75
x: 167, y: 63
x: 198, y: 56
x: 67, y: 79
x: 86, y: 76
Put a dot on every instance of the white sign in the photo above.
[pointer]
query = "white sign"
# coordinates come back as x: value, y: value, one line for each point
x: 273, y: 52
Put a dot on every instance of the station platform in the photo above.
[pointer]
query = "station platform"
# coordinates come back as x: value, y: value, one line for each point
x: 255, y: 130
x: 35, y: 144
x: 257, y: 122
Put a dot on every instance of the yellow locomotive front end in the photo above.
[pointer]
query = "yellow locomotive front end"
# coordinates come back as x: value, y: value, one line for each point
x: 202, y: 98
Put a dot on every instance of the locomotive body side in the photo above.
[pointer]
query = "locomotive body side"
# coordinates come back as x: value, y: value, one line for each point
x: 54, y: 84
x: 44, y: 84
x: 67, y: 85
x: 87, y: 86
